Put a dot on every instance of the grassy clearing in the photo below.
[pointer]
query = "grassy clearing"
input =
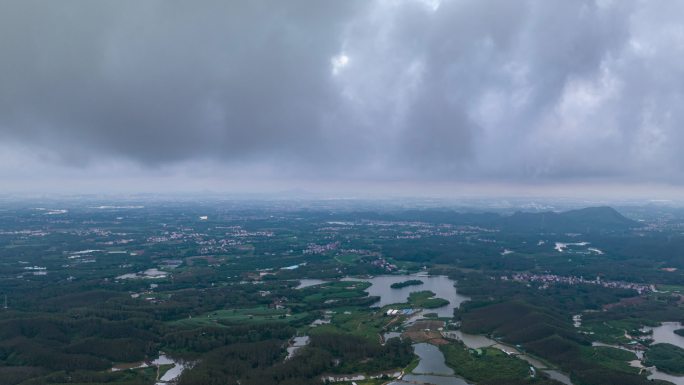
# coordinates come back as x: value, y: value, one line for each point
x: 360, y: 322
x: 347, y: 259
x: 250, y: 315
x: 613, y: 332
x: 484, y: 365
x: 671, y: 288
x: 615, y: 359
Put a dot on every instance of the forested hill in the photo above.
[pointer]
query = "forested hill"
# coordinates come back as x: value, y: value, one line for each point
x: 591, y: 219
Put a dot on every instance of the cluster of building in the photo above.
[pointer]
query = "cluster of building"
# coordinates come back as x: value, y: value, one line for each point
x: 361, y: 252
x: 27, y: 233
x: 313, y: 248
x: 167, y: 236
x: 239, y: 232
x: 214, y: 246
x: 398, y: 312
x: 383, y: 264
x: 547, y: 279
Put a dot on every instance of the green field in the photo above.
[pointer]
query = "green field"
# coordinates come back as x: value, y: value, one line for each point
x: 361, y: 322
x: 482, y: 365
x: 615, y: 359
x: 347, y: 259
x: 250, y: 315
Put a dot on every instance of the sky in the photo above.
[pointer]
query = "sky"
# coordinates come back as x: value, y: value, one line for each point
x: 415, y: 96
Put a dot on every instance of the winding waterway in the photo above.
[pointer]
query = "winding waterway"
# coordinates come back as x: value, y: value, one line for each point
x: 431, y: 369
x: 663, y: 334
x: 431, y: 360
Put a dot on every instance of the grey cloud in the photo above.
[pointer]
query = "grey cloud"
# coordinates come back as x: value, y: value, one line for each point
x: 168, y: 80
x: 450, y: 90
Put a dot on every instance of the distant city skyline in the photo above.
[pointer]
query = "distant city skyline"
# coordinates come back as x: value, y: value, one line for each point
x: 444, y: 98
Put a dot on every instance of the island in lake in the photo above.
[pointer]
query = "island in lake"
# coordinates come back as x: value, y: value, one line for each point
x: 426, y: 299
x: 410, y: 282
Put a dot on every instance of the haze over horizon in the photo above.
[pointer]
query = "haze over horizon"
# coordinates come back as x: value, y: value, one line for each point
x: 416, y: 97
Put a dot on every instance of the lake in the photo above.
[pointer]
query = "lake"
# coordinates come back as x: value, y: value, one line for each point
x: 441, y: 285
x: 296, y: 344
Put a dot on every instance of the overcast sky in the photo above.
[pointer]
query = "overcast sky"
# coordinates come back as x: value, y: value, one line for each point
x: 139, y: 95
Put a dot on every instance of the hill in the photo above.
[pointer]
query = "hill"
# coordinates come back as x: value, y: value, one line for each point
x: 586, y: 220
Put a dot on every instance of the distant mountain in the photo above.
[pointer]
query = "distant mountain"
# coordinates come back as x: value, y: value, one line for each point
x: 591, y: 219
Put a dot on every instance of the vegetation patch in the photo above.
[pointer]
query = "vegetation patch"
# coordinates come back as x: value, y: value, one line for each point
x: 249, y: 315
x: 410, y: 282
x: 666, y: 357
x: 484, y: 365
x: 426, y: 299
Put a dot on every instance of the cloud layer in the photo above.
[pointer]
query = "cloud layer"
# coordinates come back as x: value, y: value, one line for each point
x: 447, y: 90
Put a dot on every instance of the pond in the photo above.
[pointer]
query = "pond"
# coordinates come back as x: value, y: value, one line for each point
x: 389, y: 335
x: 172, y: 374
x: 296, y: 344
x: 442, y: 286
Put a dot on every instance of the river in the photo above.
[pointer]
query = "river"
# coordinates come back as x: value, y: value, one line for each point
x: 431, y: 369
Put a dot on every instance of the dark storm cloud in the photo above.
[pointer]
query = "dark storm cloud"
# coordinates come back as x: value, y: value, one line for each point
x: 452, y: 89
x: 167, y: 80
